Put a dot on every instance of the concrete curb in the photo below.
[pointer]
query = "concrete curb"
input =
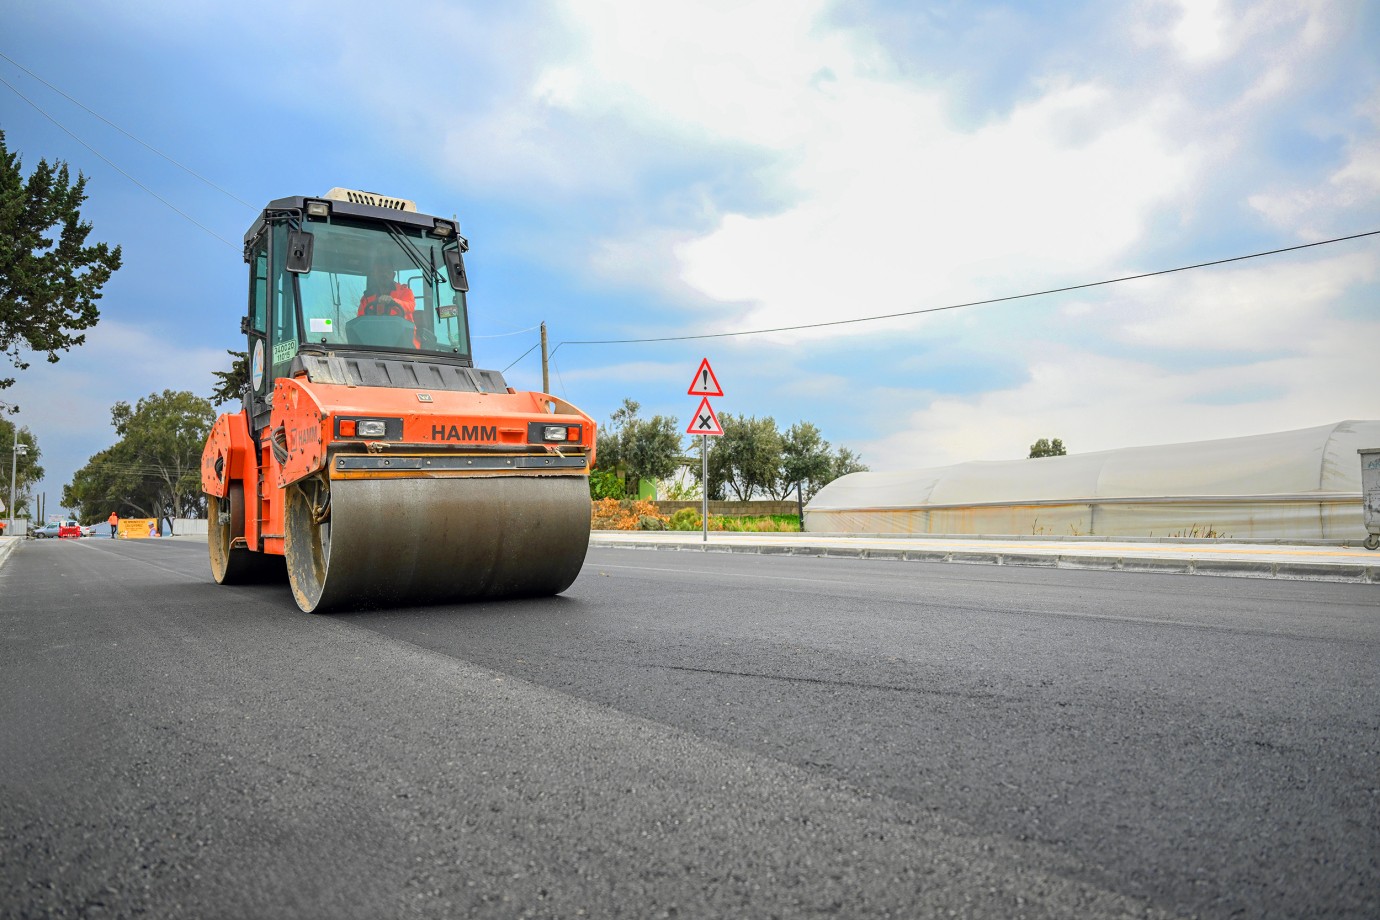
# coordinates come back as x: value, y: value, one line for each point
x: 7, y: 545
x: 1167, y: 563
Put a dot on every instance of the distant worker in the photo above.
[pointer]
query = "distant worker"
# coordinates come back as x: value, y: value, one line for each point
x: 114, y: 522
x: 384, y: 296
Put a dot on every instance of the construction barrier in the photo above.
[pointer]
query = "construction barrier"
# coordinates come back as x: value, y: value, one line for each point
x: 138, y: 528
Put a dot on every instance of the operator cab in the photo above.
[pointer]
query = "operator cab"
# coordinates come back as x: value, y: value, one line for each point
x: 317, y: 264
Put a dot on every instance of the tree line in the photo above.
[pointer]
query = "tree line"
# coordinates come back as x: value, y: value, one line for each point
x: 25, y: 467
x: 752, y: 459
x: 154, y: 469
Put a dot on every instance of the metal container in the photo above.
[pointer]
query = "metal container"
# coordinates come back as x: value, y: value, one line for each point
x: 1370, y: 494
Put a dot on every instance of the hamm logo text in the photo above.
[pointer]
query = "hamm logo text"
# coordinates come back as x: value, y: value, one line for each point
x: 464, y: 432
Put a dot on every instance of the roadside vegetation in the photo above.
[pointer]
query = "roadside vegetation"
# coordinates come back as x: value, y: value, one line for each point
x: 753, y: 459
x: 633, y: 514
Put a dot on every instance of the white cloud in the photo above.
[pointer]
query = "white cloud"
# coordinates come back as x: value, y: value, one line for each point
x: 67, y: 405
x: 634, y: 373
x: 1095, y: 402
x: 724, y: 68
x: 891, y: 206
x: 1295, y: 359
x: 1200, y: 33
x: 1260, y: 308
x: 898, y: 210
x: 1352, y: 188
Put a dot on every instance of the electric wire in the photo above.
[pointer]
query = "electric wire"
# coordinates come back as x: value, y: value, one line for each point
x: 112, y: 165
x: 520, y: 357
x: 973, y: 303
x: 559, y: 379
x: 93, y: 112
x: 499, y: 335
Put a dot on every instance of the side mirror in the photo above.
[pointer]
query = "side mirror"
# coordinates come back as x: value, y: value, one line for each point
x: 455, y: 270
x: 300, y: 244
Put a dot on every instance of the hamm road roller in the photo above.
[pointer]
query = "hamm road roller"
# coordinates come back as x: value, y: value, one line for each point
x: 371, y: 455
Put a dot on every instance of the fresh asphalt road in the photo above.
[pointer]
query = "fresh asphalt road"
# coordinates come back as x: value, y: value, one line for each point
x: 688, y: 735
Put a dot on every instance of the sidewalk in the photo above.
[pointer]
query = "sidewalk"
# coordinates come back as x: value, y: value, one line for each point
x: 7, y: 545
x: 1306, y: 562
x: 1187, y: 557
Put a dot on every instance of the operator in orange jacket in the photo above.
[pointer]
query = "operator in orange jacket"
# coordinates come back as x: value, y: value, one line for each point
x: 384, y: 296
x: 114, y: 522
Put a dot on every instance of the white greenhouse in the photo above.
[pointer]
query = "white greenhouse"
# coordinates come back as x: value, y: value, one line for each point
x: 1290, y: 485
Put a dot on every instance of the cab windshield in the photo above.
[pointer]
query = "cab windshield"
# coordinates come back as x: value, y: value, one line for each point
x: 380, y: 286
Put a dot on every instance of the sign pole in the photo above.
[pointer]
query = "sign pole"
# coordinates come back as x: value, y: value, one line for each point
x: 704, y: 423
x: 704, y: 483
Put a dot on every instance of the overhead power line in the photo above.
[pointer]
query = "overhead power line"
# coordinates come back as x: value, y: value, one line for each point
x: 137, y: 140
x: 521, y: 356
x: 112, y: 165
x: 960, y: 306
x: 499, y: 335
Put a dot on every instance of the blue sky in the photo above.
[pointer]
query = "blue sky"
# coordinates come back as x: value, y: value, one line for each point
x: 634, y: 170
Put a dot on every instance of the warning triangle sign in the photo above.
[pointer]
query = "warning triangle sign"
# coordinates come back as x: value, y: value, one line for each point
x: 705, y: 383
x: 704, y: 421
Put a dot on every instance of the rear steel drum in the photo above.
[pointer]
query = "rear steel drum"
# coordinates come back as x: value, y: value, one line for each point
x: 232, y: 565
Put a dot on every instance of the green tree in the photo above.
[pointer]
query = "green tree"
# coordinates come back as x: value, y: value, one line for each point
x: 844, y: 462
x: 50, y: 279
x: 1047, y: 448
x: 805, y: 462
x: 679, y: 489
x: 746, y: 458
x: 233, y: 381
x: 638, y: 448
x: 604, y: 484
x: 154, y: 470
x: 27, y: 470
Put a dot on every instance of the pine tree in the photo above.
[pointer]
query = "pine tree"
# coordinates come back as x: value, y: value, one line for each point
x: 50, y: 279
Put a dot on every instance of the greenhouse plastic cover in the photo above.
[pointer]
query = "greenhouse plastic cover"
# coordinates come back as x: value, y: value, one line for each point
x: 1303, y: 485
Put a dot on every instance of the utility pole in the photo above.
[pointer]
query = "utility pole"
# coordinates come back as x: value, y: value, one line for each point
x: 14, y: 467
x: 545, y: 373
x: 14, y: 463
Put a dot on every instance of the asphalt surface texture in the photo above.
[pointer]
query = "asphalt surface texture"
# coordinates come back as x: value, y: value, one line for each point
x: 688, y: 734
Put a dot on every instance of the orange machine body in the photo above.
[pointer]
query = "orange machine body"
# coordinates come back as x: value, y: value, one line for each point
x: 427, y: 434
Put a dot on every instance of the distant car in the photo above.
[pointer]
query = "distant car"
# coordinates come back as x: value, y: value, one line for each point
x: 59, y: 529
x: 89, y: 530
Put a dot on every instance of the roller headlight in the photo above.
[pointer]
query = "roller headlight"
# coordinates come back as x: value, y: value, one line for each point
x: 372, y: 428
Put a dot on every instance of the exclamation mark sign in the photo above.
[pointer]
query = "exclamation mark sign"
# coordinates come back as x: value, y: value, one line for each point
x: 705, y: 375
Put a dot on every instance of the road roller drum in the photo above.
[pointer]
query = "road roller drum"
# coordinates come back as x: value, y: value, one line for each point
x: 394, y: 542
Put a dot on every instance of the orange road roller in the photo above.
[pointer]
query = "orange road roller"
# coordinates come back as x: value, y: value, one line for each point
x: 371, y: 458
